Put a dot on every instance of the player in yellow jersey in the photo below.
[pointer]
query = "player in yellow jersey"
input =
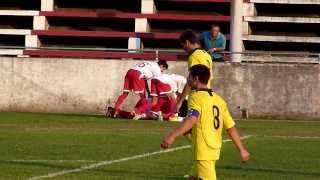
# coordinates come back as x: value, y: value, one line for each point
x: 191, y: 44
x: 208, y: 116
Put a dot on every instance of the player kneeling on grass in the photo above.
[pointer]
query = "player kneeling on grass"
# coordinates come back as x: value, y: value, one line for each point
x: 130, y: 114
x: 135, y: 81
x: 164, y: 91
x: 208, y: 115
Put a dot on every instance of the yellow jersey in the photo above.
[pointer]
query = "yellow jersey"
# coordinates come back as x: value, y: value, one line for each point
x: 200, y: 56
x: 213, y: 115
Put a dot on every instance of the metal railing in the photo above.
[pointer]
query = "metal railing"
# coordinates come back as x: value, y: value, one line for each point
x: 157, y: 52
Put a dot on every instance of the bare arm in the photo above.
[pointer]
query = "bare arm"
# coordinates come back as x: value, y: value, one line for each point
x: 219, y: 49
x: 184, y: 127
x: 235, y: 137
x: 171, y: 96
x: 212, y: 50
x: 186, y: 91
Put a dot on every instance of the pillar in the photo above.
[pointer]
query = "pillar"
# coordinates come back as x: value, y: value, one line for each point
x: 236, y: 30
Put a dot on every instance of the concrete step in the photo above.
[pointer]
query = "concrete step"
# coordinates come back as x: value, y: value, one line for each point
x: 282, y: 19
x: 286, y: 1
x: 11, y: 52
x: 15, y: 31
x: 18, y: 13
x: 281, y: 39
x: 274, y: 58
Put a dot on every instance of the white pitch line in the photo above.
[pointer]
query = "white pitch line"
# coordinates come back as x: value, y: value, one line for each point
x: 103, y: 163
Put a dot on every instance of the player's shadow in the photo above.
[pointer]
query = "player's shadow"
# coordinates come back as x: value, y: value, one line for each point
x: 114, y: 173
x: 39, y: 164
x: 137, y: 174
x: 72, y: 115
x: 270, y: 170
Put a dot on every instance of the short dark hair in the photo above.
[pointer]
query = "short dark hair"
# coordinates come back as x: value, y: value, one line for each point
x: 163, y: 63
x: 202, y: 72
x: 215, y: 25
x: 190, y: 36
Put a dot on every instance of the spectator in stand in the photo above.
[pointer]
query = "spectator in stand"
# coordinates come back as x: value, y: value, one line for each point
x: 214, y: 42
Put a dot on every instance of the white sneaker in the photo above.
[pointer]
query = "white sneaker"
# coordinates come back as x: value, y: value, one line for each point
x: 139, y: 116
x: 160, y: 116
x: 180, y: 119
x: 175, y: 118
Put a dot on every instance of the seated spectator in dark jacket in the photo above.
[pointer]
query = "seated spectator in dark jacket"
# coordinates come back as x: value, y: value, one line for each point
x: 214, y: 42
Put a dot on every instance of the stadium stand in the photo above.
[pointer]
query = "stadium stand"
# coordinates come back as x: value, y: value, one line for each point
x: 139, y: 25
x: 282, y: 25
x: 16, y: 21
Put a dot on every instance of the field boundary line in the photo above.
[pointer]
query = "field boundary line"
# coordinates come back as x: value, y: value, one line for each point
x: 108, y: 162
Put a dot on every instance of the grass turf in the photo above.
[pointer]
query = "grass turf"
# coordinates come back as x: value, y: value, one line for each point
x: 278, y: 149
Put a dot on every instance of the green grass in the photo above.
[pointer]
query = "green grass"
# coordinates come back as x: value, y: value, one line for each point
x: 277, y: 149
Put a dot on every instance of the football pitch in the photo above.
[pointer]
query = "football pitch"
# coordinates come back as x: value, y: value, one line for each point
x: 42, y: 146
